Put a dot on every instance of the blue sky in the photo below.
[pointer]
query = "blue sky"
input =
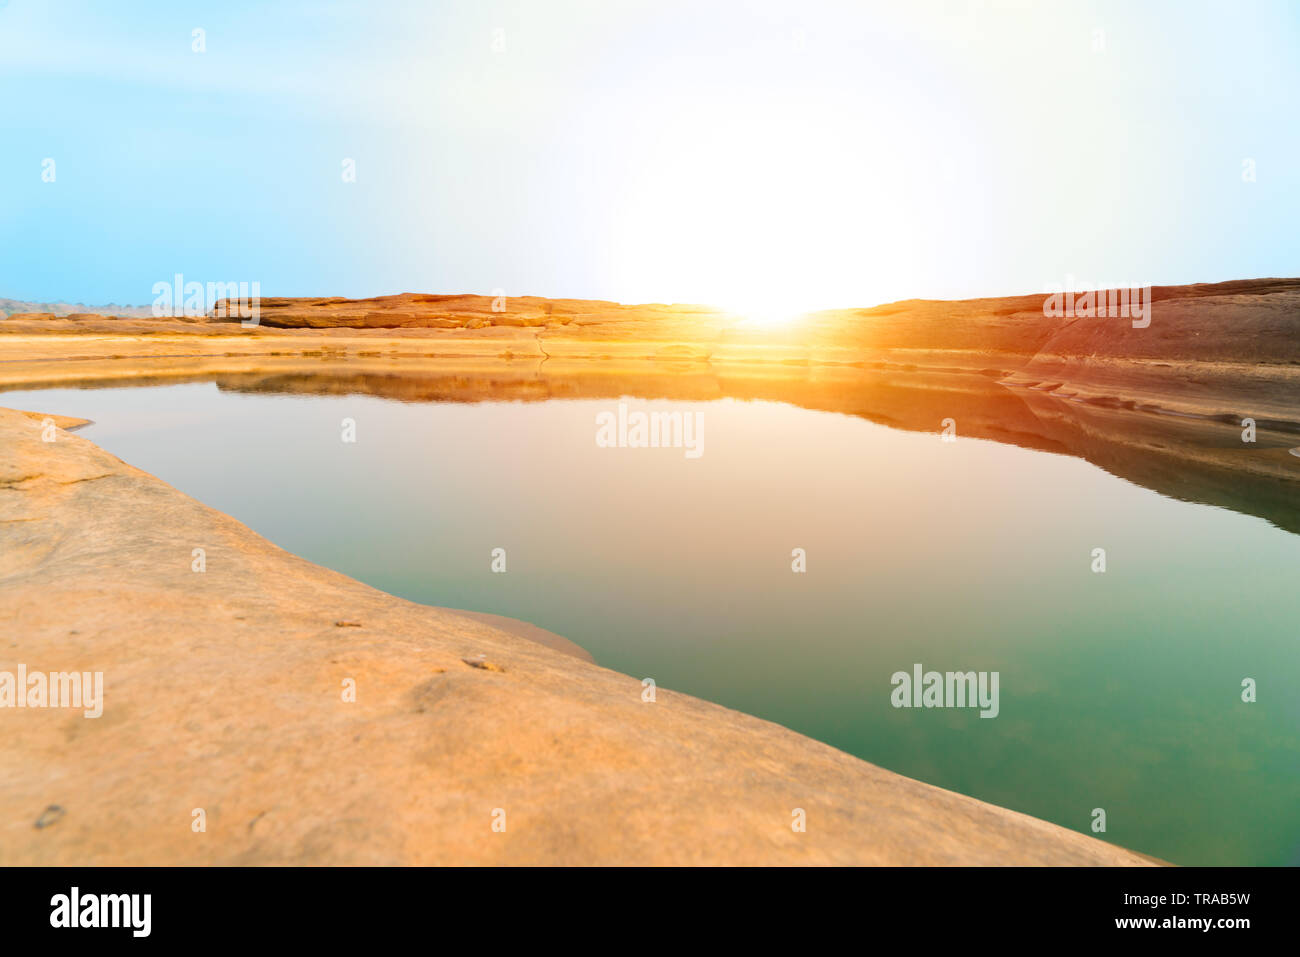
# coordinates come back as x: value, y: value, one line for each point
x: 810, y: 153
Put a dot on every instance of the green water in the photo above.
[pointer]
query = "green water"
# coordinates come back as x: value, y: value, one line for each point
x: 1119, y: 690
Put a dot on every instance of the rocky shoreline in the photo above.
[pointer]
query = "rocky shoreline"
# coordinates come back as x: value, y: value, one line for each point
x: 225, y: 689
x: 226, y: 703
x: 1219, y: 351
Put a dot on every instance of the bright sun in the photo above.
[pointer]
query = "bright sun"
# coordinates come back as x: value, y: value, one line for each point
x: 767, y: 215
x: 767, y: 313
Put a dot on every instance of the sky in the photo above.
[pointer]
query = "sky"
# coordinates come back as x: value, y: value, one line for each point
x: 761, y: 155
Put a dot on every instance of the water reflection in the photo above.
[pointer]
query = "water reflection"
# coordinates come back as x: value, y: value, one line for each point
x: 1118, y: 691
x: 1189, y: 459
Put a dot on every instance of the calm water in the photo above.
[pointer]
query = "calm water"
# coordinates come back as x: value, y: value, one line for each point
x: 1119, y: 691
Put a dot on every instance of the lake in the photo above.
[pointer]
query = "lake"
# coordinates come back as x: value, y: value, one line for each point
x: 1118, y: 690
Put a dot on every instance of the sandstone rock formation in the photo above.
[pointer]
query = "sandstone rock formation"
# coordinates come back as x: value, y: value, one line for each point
x: 225, y: 702
x: 223, y: 688
x: 1216, y: 350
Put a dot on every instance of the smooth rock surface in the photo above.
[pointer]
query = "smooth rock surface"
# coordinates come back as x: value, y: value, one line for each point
x: 223, y: 691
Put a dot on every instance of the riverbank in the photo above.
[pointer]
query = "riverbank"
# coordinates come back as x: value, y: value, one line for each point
x: 1223, y: 351
x: 227, y: 701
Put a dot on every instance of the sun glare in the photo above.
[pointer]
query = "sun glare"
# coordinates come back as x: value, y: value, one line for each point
x: 767, y: 315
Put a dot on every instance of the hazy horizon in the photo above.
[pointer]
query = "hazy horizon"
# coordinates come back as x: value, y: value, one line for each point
x: 527, y: 295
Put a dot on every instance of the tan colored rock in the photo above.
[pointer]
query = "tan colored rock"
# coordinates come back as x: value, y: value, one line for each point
x: 1215, y: 350
x: 223, y: 691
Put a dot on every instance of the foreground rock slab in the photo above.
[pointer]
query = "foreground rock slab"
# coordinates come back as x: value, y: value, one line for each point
x: 224, y: 702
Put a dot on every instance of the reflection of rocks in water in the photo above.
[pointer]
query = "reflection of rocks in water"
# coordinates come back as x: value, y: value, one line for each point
x: 1189, y: 458
x: 1160, y: 405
